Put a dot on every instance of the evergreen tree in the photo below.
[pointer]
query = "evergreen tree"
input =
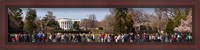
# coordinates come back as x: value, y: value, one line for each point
x: 15, y: 22
x: 49, y: 23
x: 76, y: 25
x: 124, y: 21
x: 29, y: 25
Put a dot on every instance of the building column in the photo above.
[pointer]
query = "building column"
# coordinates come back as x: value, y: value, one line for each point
x: 62, y: 24
x: 67, y: 25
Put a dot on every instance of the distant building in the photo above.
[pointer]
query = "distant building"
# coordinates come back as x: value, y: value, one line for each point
x: 67, y: 23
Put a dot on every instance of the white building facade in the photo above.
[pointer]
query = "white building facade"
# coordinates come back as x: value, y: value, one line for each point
x: 67, y: 23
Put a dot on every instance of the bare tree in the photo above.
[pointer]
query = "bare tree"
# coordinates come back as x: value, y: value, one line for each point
x: 108, y: 23
x: 84, y: 24
x: 89, y: 23
x: 92, y: 21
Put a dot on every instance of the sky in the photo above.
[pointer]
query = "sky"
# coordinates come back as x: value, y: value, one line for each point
x: 78, y: 13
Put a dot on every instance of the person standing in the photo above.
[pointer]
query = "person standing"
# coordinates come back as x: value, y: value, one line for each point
x: 29, y: 37
x: 35, y: 37
x: 20, y: 37
x: 44, y: 38
x: 64, y: 38
x: 50, y: 38
x: 39, y: 35
x: 17, y: 37
x: 53, y: 38
x: 132, y: 37
x: 126, y: 37
x: 74, y: 39
x: 71, y: 38
x: 138, y: 38
x: 119, y: 37
x: 108, y: 38
x: 93, y: 37
x: 25, y: 37
x: 172, y: 38
x: 178, y: 37
x: 85, y: 39
x: 122, y: 37
x: 58, y: 37
x: 112, y: 38
x: 190, y: 37
x: 79, y: 39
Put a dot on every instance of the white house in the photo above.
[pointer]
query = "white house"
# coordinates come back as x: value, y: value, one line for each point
x: 66, y: 23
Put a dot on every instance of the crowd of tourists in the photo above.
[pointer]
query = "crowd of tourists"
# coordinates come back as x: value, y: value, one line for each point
x: 101, y: 37
x: 146, y: 37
